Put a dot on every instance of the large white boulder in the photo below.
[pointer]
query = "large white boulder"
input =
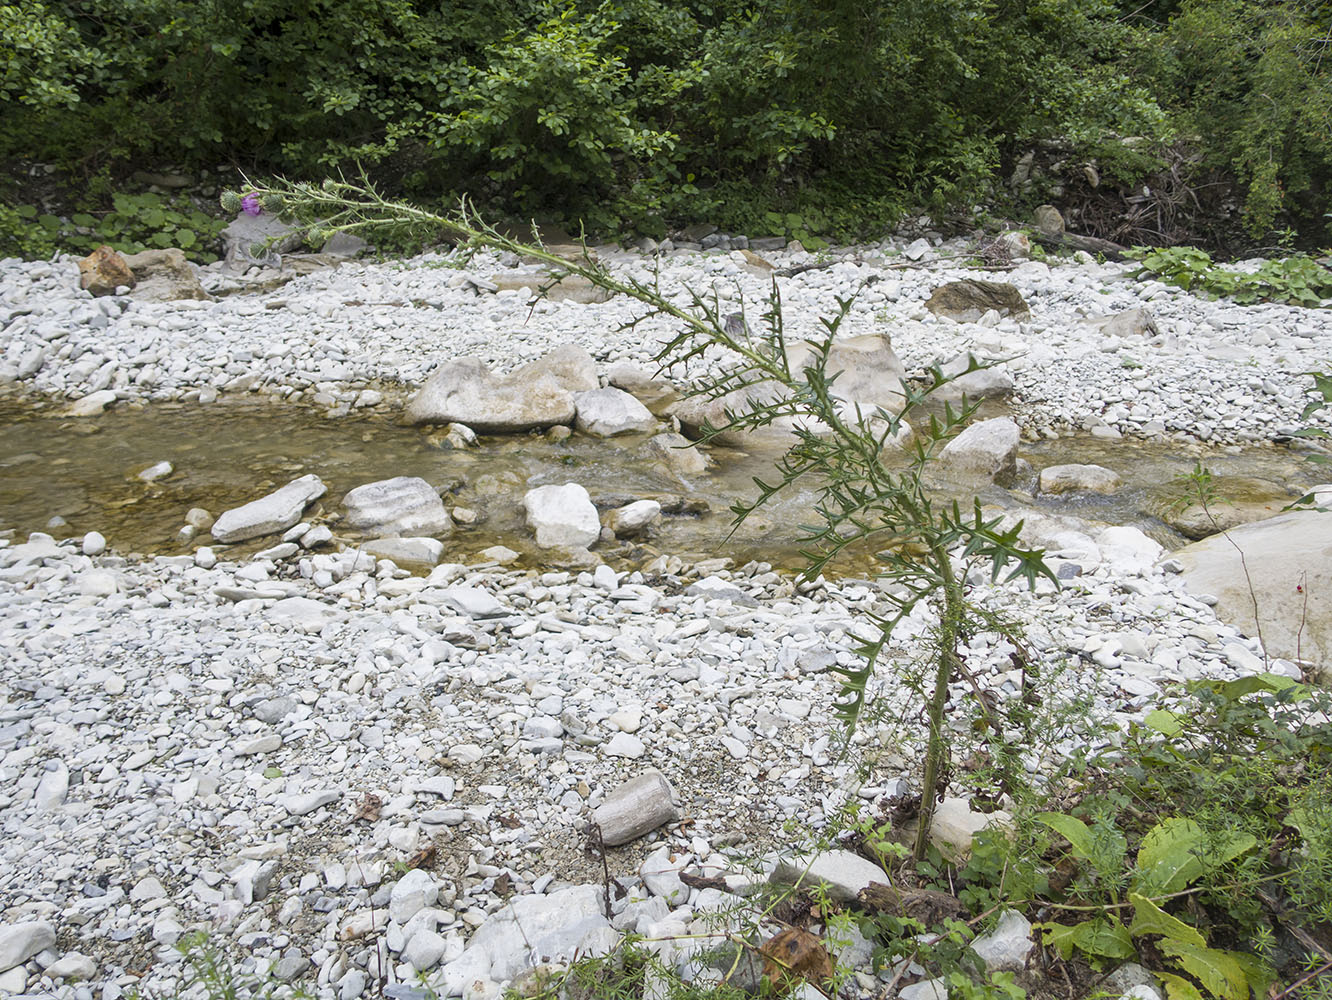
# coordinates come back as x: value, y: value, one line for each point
x: 562, y: 516
x: 268, y: 515
x: 1287, y: 561
x: 539, y: 394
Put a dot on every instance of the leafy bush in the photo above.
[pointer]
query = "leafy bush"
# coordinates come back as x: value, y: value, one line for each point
x: 1299, y: 280
x: 135, y: 222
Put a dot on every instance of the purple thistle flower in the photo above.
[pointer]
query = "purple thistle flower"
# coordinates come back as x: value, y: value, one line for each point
x: 250, y: 204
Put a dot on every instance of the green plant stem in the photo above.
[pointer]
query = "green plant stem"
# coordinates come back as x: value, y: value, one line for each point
x: 943, y: 676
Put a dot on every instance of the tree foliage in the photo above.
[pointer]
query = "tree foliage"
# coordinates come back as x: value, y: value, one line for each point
x: 637, y: 112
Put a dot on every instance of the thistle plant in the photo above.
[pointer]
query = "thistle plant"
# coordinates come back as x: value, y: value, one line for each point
x: 870, y: 490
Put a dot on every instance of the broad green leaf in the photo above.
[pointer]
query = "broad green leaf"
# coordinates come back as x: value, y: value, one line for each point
x: 1100, y: 936
x: 1218, y: 971
x: 1177, y: 987
x: 83, y: 219
x: 1259, y: 973
x: 1071, y: 829
x: 1236, y: 689
x: 185, y: 238
x: 1164, y: 722
x: 1148, y: 918
x: 1167, y: 861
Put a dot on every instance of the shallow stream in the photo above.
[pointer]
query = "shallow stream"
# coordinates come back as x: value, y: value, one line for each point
x: 84, y: 470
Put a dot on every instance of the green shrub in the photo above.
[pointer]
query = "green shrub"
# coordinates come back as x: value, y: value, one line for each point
x: 135, y: 222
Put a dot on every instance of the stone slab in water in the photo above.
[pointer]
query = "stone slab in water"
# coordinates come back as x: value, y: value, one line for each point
x: 401, y: 506
x: 268, y: 515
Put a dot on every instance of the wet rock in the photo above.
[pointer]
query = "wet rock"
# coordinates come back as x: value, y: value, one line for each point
x: 634, y: 519
x: 678, y: 453
x: 268, y: 515
x: 609, y: 412
x: 1235, y: 500
x: 92, y: 404
x: 968, y: 300
x: 634, y: 808
x: 562, y: 516
x: 1058, y: 479
x: 103, y: 271
x: 1287, y: 560
x: 987, y: 449
x: 163, y: 276
x: 94, y: 544
x: 402, y: 506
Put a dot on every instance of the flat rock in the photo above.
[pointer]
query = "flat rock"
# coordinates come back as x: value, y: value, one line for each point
x: 1287, y: 560
x: 475, y: 602
x: 409, y: 551
x: 402, y: 506
x: 842, y: 873
x: 537, y: 395
x: 163, y: 276
x: 268, y: 515
x: 19, y: 942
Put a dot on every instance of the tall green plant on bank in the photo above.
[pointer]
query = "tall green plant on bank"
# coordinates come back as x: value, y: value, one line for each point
x: 836, y: 449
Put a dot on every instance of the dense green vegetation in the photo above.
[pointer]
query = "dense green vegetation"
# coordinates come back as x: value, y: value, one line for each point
x: 641, y: 113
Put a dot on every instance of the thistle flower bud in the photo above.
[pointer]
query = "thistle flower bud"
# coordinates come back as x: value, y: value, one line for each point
x: 230, y: 201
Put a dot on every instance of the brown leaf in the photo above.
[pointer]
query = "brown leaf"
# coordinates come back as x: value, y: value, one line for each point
x: 424, y: 858
x: 368, y: 808
x: 502, y: 884
x: 509, y: 821
x: 794, y: 954
x: 928, y: 906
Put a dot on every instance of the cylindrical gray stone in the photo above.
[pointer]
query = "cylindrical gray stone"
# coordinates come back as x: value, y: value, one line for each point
x: 638, y: 806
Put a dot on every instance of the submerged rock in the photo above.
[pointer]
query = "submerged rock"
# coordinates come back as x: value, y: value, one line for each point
x: 1235, y: 500
x: 1057, y: 479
